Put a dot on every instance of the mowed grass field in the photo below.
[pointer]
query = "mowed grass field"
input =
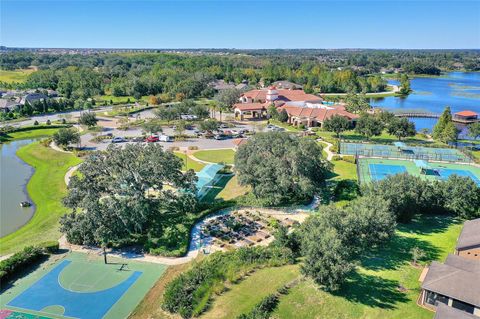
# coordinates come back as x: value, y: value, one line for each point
x: 30, y: 134
x: 189, y: 163
x: 15, y: 75
x: 385, y: 284
x: 46, y: 188
x: 216, y: 156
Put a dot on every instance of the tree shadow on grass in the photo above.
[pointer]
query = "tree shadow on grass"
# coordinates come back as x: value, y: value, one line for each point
x: 372, y: 291
x: 428, y: 224
x: 397, y: 253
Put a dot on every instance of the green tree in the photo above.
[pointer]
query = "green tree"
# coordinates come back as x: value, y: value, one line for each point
x: 226, y: 99
x: 462, y: 196
x: 180, y: 128
x: 404, y: 84
x: 167, y: 114
x: 401, y: 128
x: 110, y: 202
x: 439, y: 128
x: 474, y: 130
x: 152, y: 126
x: 272, y: 112
x: 450, y: 133
x: 369, y: 125
x: 88, y: 118
x: 65, y: 136
x: 336, y: 124
x: 286, y: 168
x: 357, y: 103
x: 209, y: 125
x: 283, y: 116
x: 417, y: 254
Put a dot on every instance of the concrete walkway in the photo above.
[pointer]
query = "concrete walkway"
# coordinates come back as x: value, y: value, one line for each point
x: 327, y: 150
x: 70, y: 172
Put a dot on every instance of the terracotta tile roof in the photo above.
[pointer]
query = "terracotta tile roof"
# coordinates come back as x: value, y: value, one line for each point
x: 250, y: 106
x: 319, y: 114
x: 466, y: 113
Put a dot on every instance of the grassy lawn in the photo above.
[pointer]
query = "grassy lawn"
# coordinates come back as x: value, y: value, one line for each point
x: 286, y: 126
x: 46, y: 188
x: 118, y: 99
x: 189, y: 163
x: 244, y: 296
x: 35, y: 133
x: 384, y: 138
x: 226, y: 188
x: 370, y: 292
x: 344, y: 170
x: 216, y: 156
x: 15, y: 76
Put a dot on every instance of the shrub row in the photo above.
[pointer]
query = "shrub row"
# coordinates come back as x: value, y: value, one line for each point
x: 190, y: 293
x: 25, y: 257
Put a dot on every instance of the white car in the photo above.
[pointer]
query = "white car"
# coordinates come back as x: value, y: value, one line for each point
x: 165, y: 138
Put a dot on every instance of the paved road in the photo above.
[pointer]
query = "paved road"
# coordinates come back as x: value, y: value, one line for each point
x: 52, y: 117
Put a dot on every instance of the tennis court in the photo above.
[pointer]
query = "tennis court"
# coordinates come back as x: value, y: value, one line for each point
x: 404, y: 152
x: 374, y: 169
x: 81, y: 286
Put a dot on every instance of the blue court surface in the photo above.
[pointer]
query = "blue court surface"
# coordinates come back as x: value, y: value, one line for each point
x: 446, y: 172
x: 48, y: 292
x: 381, y: 171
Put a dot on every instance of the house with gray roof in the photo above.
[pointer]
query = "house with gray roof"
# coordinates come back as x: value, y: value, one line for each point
x: 31, y: 98
x: 7, y: 105
x: 468, y: 243
x: 446, y: 312
x: 455, y: 283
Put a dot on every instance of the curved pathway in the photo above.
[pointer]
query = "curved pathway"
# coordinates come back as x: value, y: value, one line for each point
x: 327, y: 150
x: 70, y: 172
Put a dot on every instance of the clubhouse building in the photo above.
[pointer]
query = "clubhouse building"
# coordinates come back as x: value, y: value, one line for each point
x: 452, y: 288
x: 302, y: 108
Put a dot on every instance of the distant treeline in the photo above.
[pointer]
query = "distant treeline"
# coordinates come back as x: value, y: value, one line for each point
x: 188, y: 75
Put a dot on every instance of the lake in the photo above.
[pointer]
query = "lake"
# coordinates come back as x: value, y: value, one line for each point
x: 459, y: 90
x: 14, y: 175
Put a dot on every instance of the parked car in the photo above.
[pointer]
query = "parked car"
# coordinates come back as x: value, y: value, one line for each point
x: 138, y: 139
x: 152, y: 139
x: 119, y: 139
x: 165, y: 138
x: 219, y: 137
x: 223, y: 126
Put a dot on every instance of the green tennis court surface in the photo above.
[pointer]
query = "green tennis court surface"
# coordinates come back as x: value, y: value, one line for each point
x: 404, y: 152
x: 81, y: 286
x: 373, y: 169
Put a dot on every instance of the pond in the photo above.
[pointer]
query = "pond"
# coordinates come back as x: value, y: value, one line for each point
x: 14, y: 175
x: 459, y: 90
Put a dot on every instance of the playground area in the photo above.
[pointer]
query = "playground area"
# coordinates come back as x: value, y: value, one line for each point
x: 374, y: 169
x: 402, y: 151
x: 80, y: 286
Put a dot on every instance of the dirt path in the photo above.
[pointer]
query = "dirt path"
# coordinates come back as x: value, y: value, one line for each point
x: 327, y: 150
x: 69, y: 173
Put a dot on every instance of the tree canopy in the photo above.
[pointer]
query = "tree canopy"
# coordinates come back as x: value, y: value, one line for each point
x: 445, y: 129
x: 65, y: 136
x: 336, y: 124
x: 280, y: 167
x: 126, y: 193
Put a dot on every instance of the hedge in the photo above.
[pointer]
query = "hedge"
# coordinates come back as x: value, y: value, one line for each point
x: 28, y: 256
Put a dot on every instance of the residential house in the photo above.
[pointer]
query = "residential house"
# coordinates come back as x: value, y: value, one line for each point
x: 32, y: 98
x: 287, y: 85
x: 456, y: 282
x: 468, y: 243
x: 7, y: 105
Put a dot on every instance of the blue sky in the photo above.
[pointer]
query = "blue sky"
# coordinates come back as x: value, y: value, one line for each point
x: 240, y: 24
